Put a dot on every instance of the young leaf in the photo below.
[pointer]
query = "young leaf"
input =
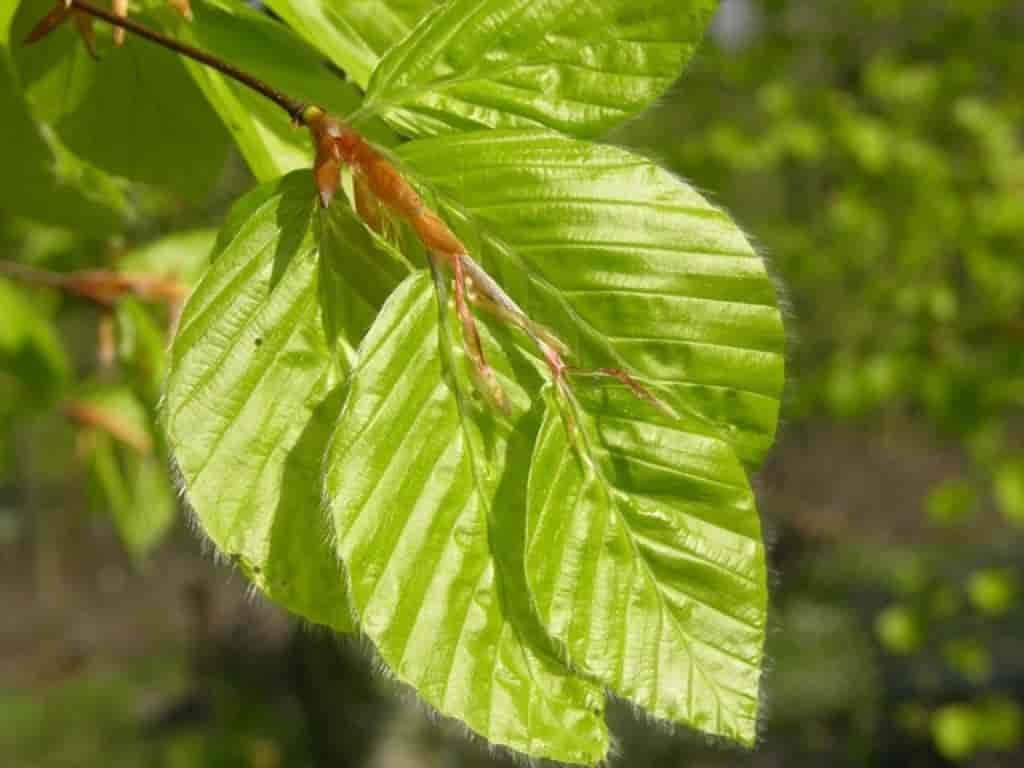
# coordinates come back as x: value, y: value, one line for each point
x: 135, y: 112
x: 269, y: 142
x: 257, y: 373
x: 426, y: 492
x: 577, y: 67
x: 645, y: 561
x: 627, y: 264
x: 355, y: 34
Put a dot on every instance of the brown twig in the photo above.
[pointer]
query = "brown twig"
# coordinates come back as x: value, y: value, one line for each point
x: 101, y: 286
x: 88, y: 415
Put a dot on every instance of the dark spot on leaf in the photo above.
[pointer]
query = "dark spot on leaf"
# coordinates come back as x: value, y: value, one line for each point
x: 258, y: 341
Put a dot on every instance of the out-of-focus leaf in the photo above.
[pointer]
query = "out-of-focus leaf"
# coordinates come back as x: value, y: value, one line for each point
x: 128, y: 467
x: 961, y: 730
x: 30, y: 349
x: 355, y: 34
x: 577, y: 67
x: 143, y: 330
x: 1008, y: 485
x: 951, y: 502
x: 426, y: 494
x: 257, y: 375
x: 182, y: 255
x: 992, y: 591
x: 134, y: 485
x: 41, y: 180
x: 135, y: 112
x: 899, y: 630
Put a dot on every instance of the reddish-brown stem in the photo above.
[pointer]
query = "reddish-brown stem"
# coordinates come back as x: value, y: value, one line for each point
x: 101, y: 286
x: 88, y: 415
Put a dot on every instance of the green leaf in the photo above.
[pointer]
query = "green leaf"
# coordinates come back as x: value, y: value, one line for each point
x: 1008, y: 486
x: 580, y: 68
x: 143, y: 330
x: 426, y: 493
x: 135, y: 485
x: 182, y: 255
x: 134, y: 113
x: 951, y: 502
x: 645, y: 561
x: 142, y: 345
x: 257, y: 377
x: 30, y: 348
x: 628, y: 265
x: 355, y: 34
x: 268, y: 50
x: 41, y: 180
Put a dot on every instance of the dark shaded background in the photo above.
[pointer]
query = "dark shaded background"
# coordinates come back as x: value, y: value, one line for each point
x: 874, y: 149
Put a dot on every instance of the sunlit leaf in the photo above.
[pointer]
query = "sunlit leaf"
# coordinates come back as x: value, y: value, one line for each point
x: 257, y: 376
x: 626, y: 263
x: 645, y: 560
x: 581, y: 68
x: 426, y: 494
x: 355, y: 34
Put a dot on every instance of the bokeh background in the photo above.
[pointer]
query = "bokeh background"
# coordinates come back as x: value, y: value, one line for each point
x: 875, y: 151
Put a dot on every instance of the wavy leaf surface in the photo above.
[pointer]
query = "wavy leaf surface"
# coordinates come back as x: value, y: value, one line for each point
x: 577, y: 67
x: 354, y: 34
x: 426, y: 491
x: 626, y: 263
x: 645, y: 560
x: 256, y: 381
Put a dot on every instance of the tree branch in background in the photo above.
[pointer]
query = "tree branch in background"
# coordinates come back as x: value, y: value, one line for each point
x: 88, y: 415
x: 101, y: 286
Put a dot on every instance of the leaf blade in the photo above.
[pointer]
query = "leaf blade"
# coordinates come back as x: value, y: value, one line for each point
x: 654, y: 578
x: 626, y: 263
x: 257, y: 377
x: 355, y: 35
x: 411, y: 498
x: 579, y: 68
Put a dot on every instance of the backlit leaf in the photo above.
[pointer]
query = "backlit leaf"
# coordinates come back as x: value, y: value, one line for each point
x: 627, y: 264
x: 257, y: 376
x: 426, y: 492
x: 355, y: 34
x: 645, y: 560
x: 578, y: 67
